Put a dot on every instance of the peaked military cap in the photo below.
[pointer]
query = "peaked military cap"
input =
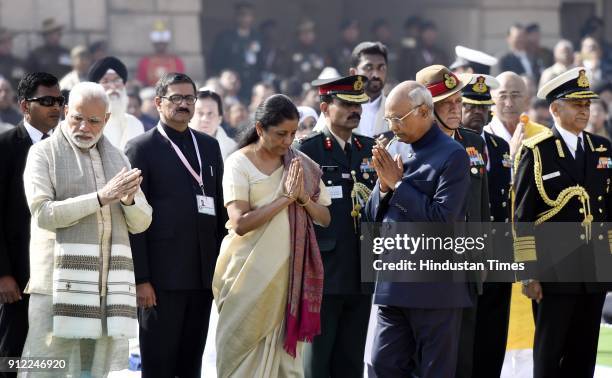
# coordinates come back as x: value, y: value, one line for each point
x: 479, y: 61
x: 478, y: 90
x: 570, y: 85
x: 349, y: 88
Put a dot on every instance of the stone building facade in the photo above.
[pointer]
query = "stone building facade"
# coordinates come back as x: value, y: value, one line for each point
x: 126, y: 24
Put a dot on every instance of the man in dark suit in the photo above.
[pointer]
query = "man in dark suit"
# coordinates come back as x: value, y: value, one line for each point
x: 345, y: 158
x: 517, y: 60
x: 174, y: 260
x: 493, y: 310
x: 41, y: 103
x: 418, y: 324
x: 562, y: 188
x: 445, y: 89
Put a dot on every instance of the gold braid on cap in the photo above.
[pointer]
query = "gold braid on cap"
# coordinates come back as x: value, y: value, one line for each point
x: 564, y: 197
x: 359, y: 194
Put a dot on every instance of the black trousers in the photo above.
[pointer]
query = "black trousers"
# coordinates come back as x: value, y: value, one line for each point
x: 467, y: 333
x: 566, y: 335
x: 491, y: 334
x: 173, y: 333
x: 338, y: 350
x: 420, y: 342
x: 13, y: 329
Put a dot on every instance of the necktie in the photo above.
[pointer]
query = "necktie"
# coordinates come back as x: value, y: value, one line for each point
x: 347, y: 150
x: 579, y: 152
x: 579, y: 158
x: 45, y: 136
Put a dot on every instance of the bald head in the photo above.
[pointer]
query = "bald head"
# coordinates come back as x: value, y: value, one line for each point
x: 409, y: 109
x: 510, y: 80
x: 412, y: 94
x: 511, y: 99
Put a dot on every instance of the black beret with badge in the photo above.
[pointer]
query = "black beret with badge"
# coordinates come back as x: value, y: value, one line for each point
x: 349, y: 88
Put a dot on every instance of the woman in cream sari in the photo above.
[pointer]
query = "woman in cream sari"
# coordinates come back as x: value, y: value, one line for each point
x: 269, y: 276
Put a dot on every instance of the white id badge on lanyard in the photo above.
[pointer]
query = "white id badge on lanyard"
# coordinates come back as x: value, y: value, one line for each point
x: 206, y: 205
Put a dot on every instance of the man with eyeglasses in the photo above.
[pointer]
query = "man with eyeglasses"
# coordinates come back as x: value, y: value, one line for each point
x: 418, y: 323
x: 84, y: 200
x: 41, y: 103
x: 175, y: 259
x: 111, y: 73
x: 445, y: 88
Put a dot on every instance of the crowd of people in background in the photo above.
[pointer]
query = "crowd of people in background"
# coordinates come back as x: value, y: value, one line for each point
x: 247, y: 63
x: 349, y: 107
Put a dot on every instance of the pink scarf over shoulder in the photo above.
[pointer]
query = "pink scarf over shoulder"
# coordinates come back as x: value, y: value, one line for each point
x: 305, y: 292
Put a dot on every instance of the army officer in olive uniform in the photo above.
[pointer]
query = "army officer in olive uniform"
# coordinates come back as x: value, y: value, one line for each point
x: 345, y: 158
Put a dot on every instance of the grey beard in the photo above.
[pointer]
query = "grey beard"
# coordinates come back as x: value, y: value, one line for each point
x: 84, y: 145
x: 118, y: 105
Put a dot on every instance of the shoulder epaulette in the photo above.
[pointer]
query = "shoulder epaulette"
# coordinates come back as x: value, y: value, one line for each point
x: 534, y: 140
x: 308, y: 137
x: 596, y: 143
x: 361, y: 136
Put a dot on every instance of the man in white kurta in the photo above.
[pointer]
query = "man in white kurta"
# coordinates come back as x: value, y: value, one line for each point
x: 111, y: 73
x: 84, y: 200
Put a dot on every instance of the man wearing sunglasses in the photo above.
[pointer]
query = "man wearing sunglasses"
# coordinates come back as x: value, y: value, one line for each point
x: 41, y: 103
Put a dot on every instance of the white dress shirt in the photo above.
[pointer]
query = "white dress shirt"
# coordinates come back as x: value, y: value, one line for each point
x: 368, y: 117
x: 570, y: 139
x: 340, y: 141
x: 496, y: 127
x: 35, y: 134
x: 522, y: 55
